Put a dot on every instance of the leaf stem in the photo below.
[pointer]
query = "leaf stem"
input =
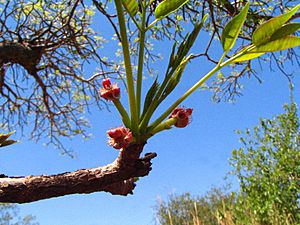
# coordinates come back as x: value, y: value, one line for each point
x: 152, y: 24
x: 166, y: 125
x: 141, y: 60
x: 196, y: 86
x: 183, y: 97
x: 128, y: 67
x: 156, y: 101
x: 123, y: 113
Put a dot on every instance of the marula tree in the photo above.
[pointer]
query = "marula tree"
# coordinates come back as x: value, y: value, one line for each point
x: 139, y: 123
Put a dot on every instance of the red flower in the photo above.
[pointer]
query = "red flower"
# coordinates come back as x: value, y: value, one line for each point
x: 109, y: 92
x: 182, y: 115
x: 120, y: 137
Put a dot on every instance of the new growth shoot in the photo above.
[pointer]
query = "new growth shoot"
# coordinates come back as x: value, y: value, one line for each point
x: 275, y: 34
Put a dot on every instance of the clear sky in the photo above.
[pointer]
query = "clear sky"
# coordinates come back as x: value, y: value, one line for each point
x: 193, y: 159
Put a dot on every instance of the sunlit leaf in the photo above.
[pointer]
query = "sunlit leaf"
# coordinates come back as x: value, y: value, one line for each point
x: 248, y: 56
x: 285, y: 30
x: 233, y: 28
x: 279, y: 44
x: 264, y: 32
x: 131, y: 6
x: 271, y: 46
x: 166, y: 7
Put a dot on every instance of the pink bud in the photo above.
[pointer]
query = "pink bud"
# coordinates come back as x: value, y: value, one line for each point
x: 115, y: 133
x: 120, y: 137
x: 182, y: 115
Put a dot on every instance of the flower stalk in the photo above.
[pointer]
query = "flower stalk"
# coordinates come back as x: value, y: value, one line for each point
x: 124, y: 116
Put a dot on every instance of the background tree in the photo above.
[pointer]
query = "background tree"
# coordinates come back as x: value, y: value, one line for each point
x: 267, y: 168
x: 214, y: 208
x: 9, y: 214
x: 118, y: 177
x: 44, y: 47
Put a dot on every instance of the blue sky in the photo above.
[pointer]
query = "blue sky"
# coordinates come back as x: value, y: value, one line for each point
x: 193, y: 159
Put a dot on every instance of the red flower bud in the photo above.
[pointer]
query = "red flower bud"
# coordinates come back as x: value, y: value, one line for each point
x: 120, y: 137
x: 109, y: 92
x: 182, y: 115
x: 116, y: 91
x: 106, y: 83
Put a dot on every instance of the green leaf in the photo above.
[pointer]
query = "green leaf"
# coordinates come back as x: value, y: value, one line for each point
x: 278, y: 44
x: 172, y: 56
x: 131, y: 7
x: 186, y: 45
x: 174, y: 80
x: 166, y: 7
x: 271, y: 46
x: 286, y: 30
x: 264, y: 32
x: 233, y: 28
x: 150, y: 96
x: 247, y: 57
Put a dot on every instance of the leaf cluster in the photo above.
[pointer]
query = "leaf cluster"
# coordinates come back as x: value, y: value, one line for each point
x: 268, y: 168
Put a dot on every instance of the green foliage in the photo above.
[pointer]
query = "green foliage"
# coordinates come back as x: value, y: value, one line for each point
x: 166, y: 7
x: 265, y: 31
x: 177, y: 62
x: 131, y: 6
x: 150, y: 96
x: 285, y: 30
x: 271, y: 46
x: 278, y: 44
x: 9, y: 215
x: 233, y: 29
x: 268, y: 168
x: 185, y: 209
x: 273, y: 35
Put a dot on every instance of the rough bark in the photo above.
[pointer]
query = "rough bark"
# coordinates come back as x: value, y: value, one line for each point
x: 118, y: 178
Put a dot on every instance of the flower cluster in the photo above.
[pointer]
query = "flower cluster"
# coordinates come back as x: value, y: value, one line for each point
x: 120, y: 137
x: 183, y: 116
x: 109, y: 91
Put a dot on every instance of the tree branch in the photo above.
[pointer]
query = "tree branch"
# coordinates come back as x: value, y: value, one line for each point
x: 117, y: 178
x: 22, y: 54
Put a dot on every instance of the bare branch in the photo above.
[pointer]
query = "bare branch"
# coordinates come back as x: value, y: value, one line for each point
x: 117, y: 178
